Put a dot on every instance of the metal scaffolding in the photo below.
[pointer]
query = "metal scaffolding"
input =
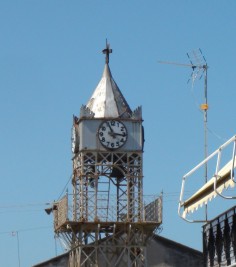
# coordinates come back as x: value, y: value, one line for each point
x: 110, y: 220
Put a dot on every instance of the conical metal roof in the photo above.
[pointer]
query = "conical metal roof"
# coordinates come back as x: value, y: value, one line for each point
x: 107, y: 100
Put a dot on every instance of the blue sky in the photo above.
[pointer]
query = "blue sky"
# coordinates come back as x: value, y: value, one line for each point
x: 50, y: 63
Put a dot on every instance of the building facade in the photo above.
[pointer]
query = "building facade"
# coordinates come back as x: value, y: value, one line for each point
x: 161, y: 252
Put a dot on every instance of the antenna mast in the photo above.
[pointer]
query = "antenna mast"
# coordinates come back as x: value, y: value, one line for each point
x: 199, y: 67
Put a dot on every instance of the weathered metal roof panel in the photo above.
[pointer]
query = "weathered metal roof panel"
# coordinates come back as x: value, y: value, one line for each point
x: 107, y: 100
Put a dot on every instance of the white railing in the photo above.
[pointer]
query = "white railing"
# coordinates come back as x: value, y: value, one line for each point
x: 227, y: 169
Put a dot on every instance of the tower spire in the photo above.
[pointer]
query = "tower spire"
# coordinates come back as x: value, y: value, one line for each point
x: 107, y: 51
x: 107, y: 101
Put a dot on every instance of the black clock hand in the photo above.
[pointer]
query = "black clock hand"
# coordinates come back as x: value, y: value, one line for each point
x: 119, y: 134
x: 110, y: 127
x: 111, y: 130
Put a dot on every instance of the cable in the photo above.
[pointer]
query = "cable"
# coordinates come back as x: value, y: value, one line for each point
x: 25, y: 230
x: 9, y: 206
x: 64, y: 189
x: 16, y: 211
x: 197, y: 104
x: 216, y: 135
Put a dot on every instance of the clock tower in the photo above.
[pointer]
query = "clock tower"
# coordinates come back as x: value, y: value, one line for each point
x: 107, y: 220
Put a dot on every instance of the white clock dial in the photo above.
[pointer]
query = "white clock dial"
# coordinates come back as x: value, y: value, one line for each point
x: 112, y: 134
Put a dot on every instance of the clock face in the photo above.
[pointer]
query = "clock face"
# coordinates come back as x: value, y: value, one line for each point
x: 112, y: 134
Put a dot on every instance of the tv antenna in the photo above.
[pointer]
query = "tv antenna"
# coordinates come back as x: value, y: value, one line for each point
x: 199, y: 68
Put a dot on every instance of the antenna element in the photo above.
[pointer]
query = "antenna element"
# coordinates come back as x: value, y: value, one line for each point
x: 199, y: 67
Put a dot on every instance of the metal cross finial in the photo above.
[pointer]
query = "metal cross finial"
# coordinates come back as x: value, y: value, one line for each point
x: 107, y: 51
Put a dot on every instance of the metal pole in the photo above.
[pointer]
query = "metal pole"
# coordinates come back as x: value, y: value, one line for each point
x: 18, y: 248
x: 55, y: 240
x: 205, y: 132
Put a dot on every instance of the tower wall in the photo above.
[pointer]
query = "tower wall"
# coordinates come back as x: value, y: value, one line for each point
x: 88, y: 131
